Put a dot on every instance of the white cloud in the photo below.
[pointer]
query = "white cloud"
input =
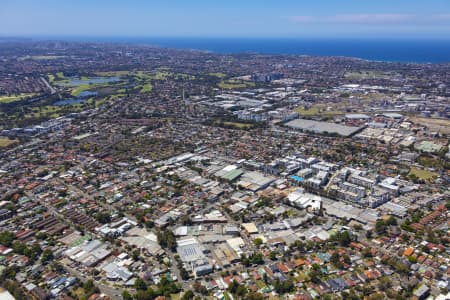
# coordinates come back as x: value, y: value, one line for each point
x: 371, y: 19
x: 441, y: 17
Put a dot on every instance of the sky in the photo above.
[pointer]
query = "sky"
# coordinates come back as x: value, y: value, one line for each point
x: 227, y: 18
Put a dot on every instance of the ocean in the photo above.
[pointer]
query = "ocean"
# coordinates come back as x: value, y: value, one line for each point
x: 391, y: 50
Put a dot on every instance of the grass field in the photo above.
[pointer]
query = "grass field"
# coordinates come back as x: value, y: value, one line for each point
x: 81, y: 88
x: 365, y: 75
x: 218, y: 75
x: 8, y: 99
x: 5, y: 142
x: 423, y: 174
x: 175, y: 296
x: 238, y: 125
x: 51, y: 111
x: 319, y: 110
x: 146, y: 88
x: 40, y: 57
x: 235, y: 84
x: 430, y: 162
x: 161, y: 75
x: 311, y: 111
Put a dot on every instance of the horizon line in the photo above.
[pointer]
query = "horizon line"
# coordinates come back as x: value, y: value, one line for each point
x: 82, y: 36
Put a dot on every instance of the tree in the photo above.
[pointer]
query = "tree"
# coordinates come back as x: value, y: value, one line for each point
x: 412, y: 259
x: 186, y: 220
x: 366, y: 252
x: 8, y: 272
x: 148, y: 294
x: 298, y: 245
x: 136, y: 254
x: 391, y: 221
x: 103, y: 217
x: 166, y: 239
x: 413, y: 178
x: 273, y: 255
x: 315, y: 273
x: 183, y: 273
x: 140, y: 284
x: 376, y: 296
x: 380, y: 227
x: 245, y: 260
x: 257, y: 241
x: 199, y: 288
x: 126, y: 295
x: 283, y: 287
x: 257, y: 259
x: 343, y: 238
x: 19, y: 247
x: 236, y: 289
x: 15, y: 289
x: 47, y: 256
x: 357, y: 227
x: 188, y: 295
x: 406, y: 226
x: 336, y: 260
x: 254, y: 296
x: 384, y: 283
x: 41, y: 235
x: 166, y: 287
x: 90, y: 288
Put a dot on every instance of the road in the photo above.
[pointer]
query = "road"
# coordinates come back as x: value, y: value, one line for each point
x: 52, y: 89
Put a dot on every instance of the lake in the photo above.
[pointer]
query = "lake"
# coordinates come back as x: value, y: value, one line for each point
x: 80, y: 99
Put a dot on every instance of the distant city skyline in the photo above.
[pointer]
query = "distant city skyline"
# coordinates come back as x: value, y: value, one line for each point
x: 232, y: 18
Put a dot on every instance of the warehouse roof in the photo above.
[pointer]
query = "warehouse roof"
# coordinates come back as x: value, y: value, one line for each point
x: 321, y: 127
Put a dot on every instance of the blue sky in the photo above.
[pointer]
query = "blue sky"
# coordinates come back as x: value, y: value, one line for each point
x: 230, y: 18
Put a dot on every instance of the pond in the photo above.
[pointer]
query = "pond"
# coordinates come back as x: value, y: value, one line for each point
x: 85, y: 94
x: 80, y: 99
x: 71, y: 101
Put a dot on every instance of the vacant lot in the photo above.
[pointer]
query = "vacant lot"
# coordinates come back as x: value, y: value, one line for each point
x: 438, y: 125
x: 319, y: 110
x: 5, y: 142
x: 239, y: 125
